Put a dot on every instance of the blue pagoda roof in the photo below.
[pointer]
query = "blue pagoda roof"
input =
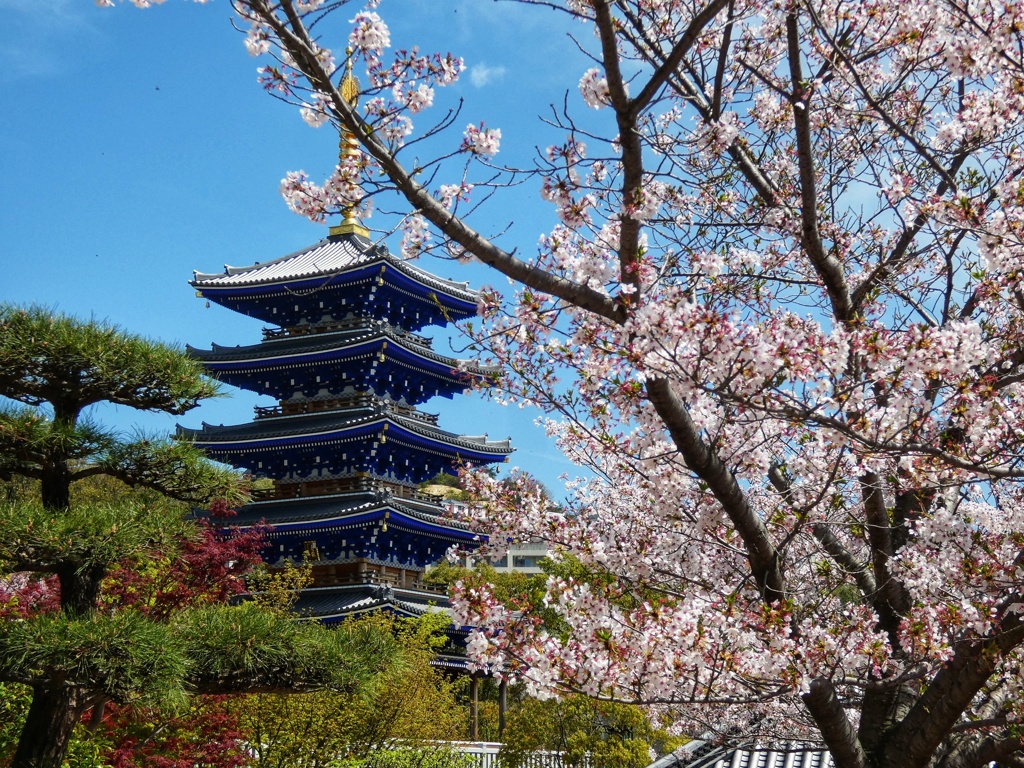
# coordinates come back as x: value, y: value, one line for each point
x: 336, y: 277
x: 377, y: 437
x: 364, y: 355
x: 349, y: 528
x: 334, y: 513
x: 329, y: 604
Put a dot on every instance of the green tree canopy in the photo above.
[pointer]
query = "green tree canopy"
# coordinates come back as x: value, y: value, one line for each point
x: 72, y: 364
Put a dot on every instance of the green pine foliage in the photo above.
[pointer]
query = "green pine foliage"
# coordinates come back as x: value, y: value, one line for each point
x: 71, y: 364
x: 91, y: 535
x: 122, y: 656
x: 247, y: 648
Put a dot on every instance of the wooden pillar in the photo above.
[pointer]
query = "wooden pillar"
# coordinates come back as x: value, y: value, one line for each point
x: 474, y: 708
x: 502, y: 706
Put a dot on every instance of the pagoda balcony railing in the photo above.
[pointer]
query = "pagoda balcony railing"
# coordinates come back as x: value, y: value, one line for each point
x: 362, y: 400
x: 486, y: 754
x: 356, y: 484
x: 269, y: 334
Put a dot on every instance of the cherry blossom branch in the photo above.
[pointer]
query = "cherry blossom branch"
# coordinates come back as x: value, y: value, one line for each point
x: 670, y: 64
x: 908, y: 448
x: 827, y: 265
x: 891, y: 601
x: 694, y: 95
x: 419, y: 197
x: 894, y: 125
x: 836, y: 730
x: 885, y: 267
x: 723, y: 61
x: 950, y: 693
x: 632, y: 150
x: 765, y: 564
x: 828, y: 540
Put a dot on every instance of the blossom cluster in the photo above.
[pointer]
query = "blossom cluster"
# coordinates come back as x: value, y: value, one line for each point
x: 482, y: 141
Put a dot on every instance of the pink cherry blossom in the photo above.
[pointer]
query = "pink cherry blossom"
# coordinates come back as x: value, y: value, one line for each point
x: 370, y: 34
x: 481, y: 141
x: 594, y: 89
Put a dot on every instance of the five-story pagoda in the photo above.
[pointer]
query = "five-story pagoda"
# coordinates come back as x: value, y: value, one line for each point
x: 346, y: 446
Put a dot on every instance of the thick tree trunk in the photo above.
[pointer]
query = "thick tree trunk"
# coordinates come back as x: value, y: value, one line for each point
x: 51, y: 720
x: 55, y: 486
x: 79, y: 587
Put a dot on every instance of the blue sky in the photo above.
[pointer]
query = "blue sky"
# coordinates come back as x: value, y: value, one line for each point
x: 136, y: 146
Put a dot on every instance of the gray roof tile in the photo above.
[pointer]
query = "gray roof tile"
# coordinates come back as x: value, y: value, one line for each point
x: 703, y: 754
x: 334, y: 255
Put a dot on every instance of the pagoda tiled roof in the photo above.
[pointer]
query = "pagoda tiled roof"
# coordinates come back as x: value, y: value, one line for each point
x: 332, y: 256
x: 326, y: 424
x: 346, y: 509
x: 326, y: 603
x: 285, y: 349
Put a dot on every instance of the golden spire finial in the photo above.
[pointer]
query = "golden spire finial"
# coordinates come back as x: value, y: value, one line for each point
x: 349, y: 84
x: 349, y: 147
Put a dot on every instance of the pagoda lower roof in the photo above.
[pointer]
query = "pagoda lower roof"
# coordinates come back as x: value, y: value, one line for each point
x: 343, y: 260
x: 381, y: 416
x: 335, y: 513
x: 328, y: 604
x: 357, y: 354
x: 380, y: 438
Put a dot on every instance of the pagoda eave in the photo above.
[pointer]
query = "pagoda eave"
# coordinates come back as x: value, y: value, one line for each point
x: 403, y: 371
x: 286, y: 290
x: 266, y: 357
x: 350, y: 519
x: 330, y: 605
x: 291, y: 431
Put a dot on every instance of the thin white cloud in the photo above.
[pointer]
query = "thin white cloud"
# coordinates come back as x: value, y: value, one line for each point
x: 36, y: 32
x: 481, y: 74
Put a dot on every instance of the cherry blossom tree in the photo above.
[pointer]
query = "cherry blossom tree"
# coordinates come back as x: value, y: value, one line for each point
x: 780, y: 318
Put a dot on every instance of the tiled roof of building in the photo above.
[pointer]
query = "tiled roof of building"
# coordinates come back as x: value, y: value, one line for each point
x: 284, y: 350
x: 332, y: 256
x: 324, y: 512
x: 315, y: 425
x: 704, y: 754
x: 334, y: 602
